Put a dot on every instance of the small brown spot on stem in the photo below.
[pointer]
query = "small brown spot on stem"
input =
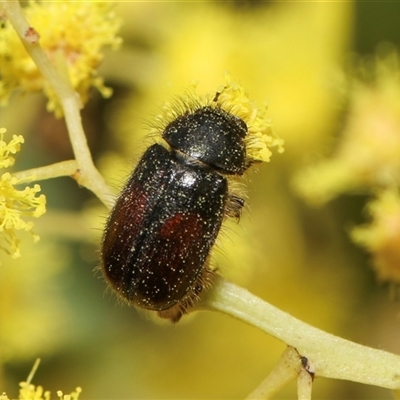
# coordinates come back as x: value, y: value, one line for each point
x: 32, y: 36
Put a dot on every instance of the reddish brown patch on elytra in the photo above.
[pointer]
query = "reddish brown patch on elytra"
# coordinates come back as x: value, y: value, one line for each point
x: 123, y: 233
x: 130, y: 212
x: 180, y: 222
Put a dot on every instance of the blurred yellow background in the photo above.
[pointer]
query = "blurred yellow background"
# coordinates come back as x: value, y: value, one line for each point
x: 301, y: 259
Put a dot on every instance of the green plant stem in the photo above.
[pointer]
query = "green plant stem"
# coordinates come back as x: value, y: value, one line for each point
x: 88, y: 176
x: 63, y: 168
x: 304, y: 385
x: 287, y: 369
x: 330, y: 356
x: 33, y: 372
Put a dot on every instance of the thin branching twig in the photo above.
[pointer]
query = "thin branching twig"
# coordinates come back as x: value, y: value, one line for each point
x: 327, y: 355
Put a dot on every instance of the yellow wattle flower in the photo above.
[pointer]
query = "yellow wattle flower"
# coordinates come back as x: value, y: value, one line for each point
x: 73, y: 35
x: 16, y: 204
x: 381, y: 237
x: 232, y: 98
x: 261, y: 138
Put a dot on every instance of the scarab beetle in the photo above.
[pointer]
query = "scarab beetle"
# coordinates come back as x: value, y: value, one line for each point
x: 159, y: 235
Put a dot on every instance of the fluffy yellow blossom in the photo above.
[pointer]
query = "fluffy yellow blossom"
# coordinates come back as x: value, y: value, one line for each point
x: 16, y: 204
x: 6, y: 149
x: 72, y: 33
x: 382, y: 236
x: 261, y: 137
x: 369, y: 152
x: 232, y: 98
x: 32, y: 392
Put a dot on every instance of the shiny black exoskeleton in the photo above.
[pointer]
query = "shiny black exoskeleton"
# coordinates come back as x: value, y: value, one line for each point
x: 159, y: 235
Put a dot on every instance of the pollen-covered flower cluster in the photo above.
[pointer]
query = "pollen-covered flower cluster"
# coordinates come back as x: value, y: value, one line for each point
x: 232, y: 98
x: 16, y: 204
x: 32, y: 392
x: 367, y: 160
x: 261, y: 138
x: 382, y: 236
x: 72, y: 33
x: 368, y: 155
